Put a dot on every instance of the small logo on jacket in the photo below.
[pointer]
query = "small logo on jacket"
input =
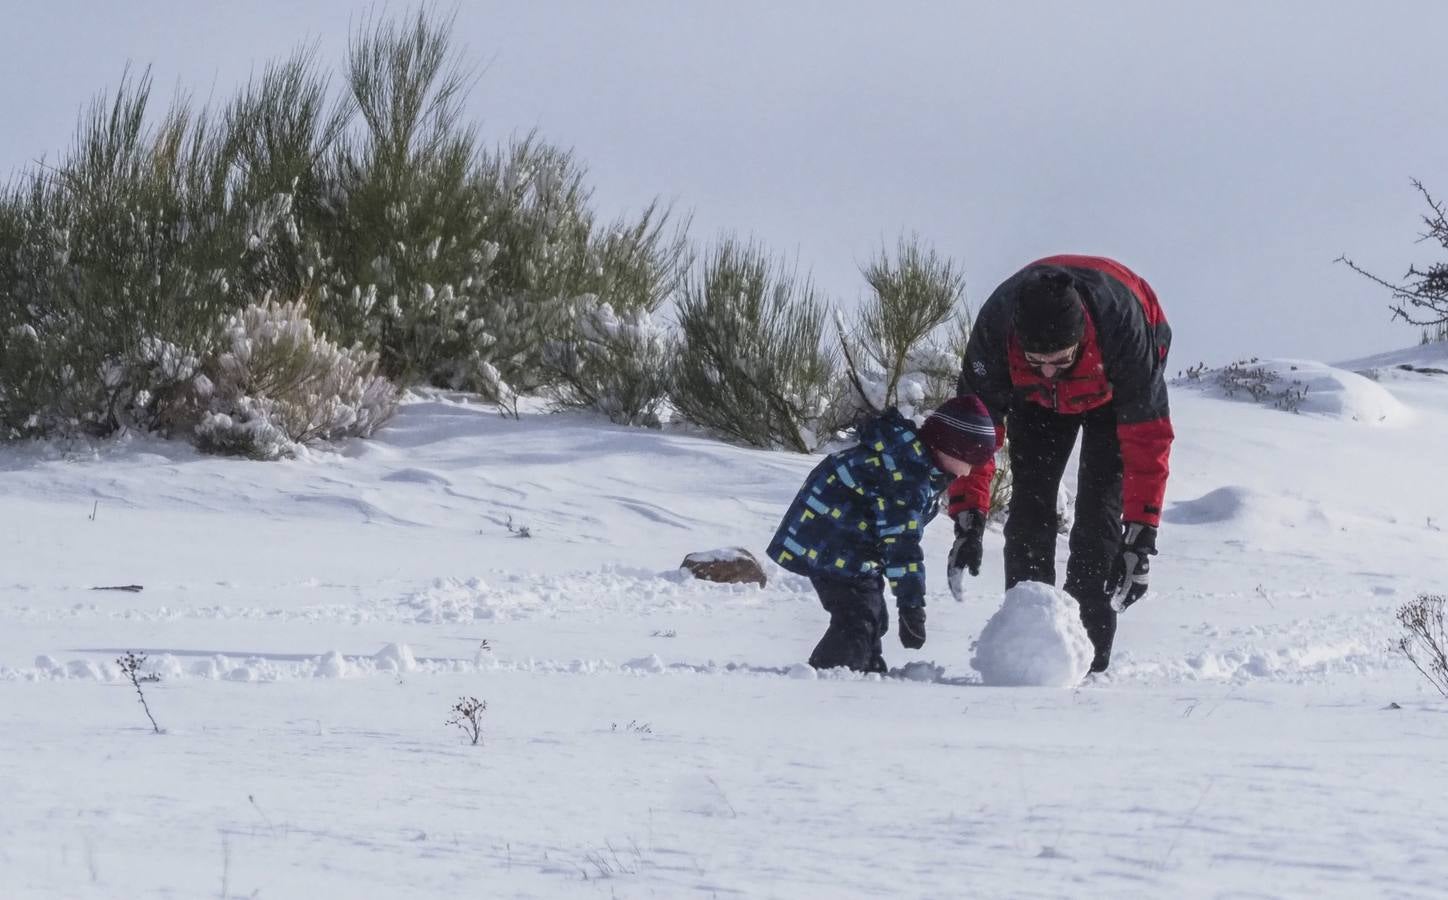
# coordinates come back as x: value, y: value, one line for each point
x: 979, y: 367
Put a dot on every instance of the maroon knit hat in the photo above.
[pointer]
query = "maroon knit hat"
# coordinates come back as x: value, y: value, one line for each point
x: 962, y: 428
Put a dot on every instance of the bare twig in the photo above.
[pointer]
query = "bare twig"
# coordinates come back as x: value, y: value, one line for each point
x: 1422, y: 298
x: 131, y: 665
x: 851, y: 369
x: 1186, y: 823
x: 1426, y: 642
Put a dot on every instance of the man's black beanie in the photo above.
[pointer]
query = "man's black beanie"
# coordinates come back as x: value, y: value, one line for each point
x: 1049, y: 315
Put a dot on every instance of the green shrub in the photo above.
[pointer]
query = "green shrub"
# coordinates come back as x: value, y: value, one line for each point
x: 751, y: 365
x: 614, y: 356
x: 134, y: 241
x: 912, y: 330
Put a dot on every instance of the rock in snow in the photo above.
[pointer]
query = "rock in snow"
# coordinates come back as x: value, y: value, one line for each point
x: 1035, y: 639
x: 734, y: 565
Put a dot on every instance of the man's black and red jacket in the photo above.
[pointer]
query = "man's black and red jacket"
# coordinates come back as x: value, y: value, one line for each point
x: 1121, y: 361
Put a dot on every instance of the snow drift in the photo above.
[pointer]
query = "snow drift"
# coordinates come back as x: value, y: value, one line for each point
x: 1302, y: 386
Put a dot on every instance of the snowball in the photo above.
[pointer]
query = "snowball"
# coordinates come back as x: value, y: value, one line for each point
x: 214, y: 667
x: 82, y: 668
x: 803, y: 672
x: 332, y: 665
x: 1035, y: 639
x: 650, y: 663
x: 166, y: 666
x: 395, y: 658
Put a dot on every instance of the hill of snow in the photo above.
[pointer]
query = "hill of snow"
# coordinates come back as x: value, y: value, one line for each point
x: 647, y: 735
x: 1305, y: 388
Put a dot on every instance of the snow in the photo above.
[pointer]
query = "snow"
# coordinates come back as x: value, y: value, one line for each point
x: 1034, y: 640
x: 312, y: 621
x: 1430, y: 355
x: 726, y: 554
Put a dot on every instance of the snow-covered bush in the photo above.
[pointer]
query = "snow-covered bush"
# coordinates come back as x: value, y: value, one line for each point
x: 1250, y: 379
x: 458, y: 265
x: 537, y: 215
x: 276, y: 385
x: 1261, y: 384
x: 614, y: 356
x: 751, y: 364
x: 912, y: 332
x: 405, y: 230
x: 616, y: 364
x: 118, y: 264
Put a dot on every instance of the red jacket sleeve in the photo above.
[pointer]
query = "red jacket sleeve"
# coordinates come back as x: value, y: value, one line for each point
x: 1145, y: 449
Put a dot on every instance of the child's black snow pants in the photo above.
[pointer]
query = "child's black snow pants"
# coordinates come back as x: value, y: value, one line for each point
x: 858, y: 621
x: 1040, y: 446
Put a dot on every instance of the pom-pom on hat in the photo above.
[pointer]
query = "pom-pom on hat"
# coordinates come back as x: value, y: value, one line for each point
x: 961, y: 428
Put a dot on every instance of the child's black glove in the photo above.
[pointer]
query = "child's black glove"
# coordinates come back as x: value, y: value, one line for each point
x: 912, y: 627
x: 967, y: 551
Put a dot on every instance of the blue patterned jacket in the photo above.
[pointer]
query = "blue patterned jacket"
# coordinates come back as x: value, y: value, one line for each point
x: 862, y: 511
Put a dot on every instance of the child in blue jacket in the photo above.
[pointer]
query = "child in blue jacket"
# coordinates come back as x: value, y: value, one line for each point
x: 857, y: 523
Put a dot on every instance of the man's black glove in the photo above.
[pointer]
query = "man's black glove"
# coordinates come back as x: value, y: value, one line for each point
x: 1128, y: 580
x: 966, y: 552
x: 912, y: 627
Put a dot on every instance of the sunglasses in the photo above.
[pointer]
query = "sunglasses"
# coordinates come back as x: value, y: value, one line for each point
x: 1060, y: 360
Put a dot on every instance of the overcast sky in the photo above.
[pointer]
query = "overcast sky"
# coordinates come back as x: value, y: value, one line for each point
x: 1227, y: 151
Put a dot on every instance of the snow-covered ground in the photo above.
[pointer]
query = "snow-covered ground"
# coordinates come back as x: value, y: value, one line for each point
x: 646, y: 735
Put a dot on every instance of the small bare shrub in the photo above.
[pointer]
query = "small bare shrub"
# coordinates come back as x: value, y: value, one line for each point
x: 131, y: 665
x: 467, y: 716
x: 1426, y: 642
x: 634, y: 726
x: 1263, y: 386
x: 1248, y: 377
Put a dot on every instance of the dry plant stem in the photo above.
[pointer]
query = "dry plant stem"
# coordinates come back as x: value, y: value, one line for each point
x: 131, y: 665
x: 466, y: 713
x: 1427, y: 636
